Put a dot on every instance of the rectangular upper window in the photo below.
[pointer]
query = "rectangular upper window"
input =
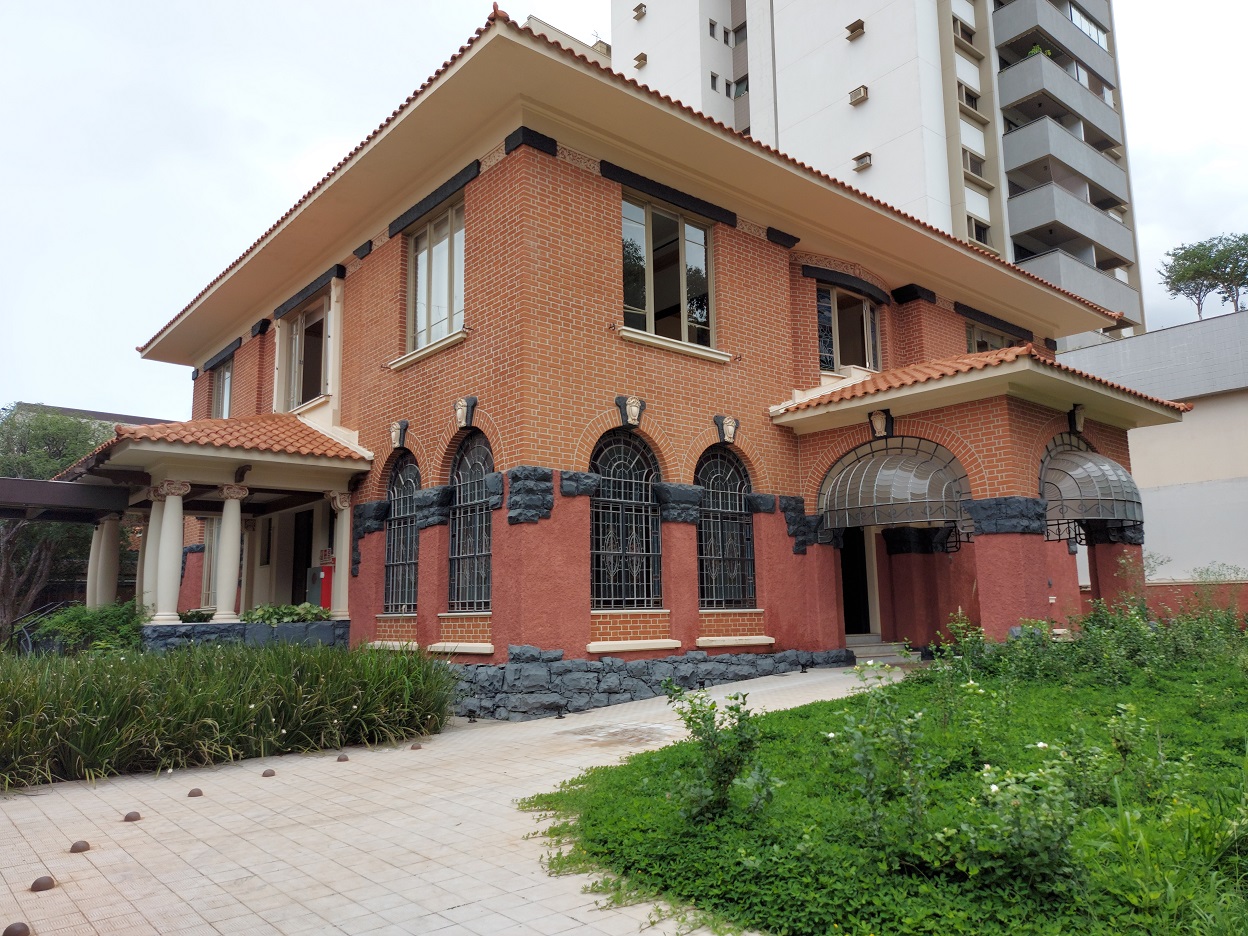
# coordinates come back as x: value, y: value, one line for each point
x: 222, y: 375
x: 980, y: 339
x: 977, y: 230
x: 436, y: 278
x: 849, y: 330
x: 667, y: 275
x: 305, y: 354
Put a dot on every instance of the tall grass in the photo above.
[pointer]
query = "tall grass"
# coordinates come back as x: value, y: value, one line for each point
x: 98, y: 715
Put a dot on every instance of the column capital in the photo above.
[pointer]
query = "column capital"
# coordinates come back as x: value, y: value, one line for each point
x: 339, y: 500
x: 233, y: 491
x: 173, y: 489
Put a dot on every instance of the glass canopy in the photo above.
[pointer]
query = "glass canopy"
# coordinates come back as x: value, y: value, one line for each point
x: 895, y: 481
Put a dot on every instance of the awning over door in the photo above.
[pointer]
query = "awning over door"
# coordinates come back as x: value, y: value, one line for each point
x: 895, y: 481
x: 1082, y: 486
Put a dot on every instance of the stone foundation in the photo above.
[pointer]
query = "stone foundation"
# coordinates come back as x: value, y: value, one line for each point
x: 161, y: 637
x: 540, y: 683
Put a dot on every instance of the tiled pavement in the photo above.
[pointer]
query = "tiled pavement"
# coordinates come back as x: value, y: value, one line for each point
x: 393, y: 841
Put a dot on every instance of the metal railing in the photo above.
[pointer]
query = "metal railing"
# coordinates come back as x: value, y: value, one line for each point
x: 20, y: 633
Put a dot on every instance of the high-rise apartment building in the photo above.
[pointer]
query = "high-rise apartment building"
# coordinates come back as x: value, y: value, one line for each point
x: 999, y: 121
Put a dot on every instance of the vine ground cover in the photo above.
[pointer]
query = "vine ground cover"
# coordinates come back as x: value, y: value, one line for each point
x: 1098, y: 786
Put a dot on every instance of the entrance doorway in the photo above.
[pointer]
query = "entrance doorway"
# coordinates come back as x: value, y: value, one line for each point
x: 855, y: 585
x: 302, y: 556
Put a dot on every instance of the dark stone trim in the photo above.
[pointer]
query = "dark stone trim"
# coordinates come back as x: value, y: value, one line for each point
x: 1051, y: 344
x: 523, y: 136
x: 530, y: 494
x: 194, y: 374
x: 432, y: 506
x: 260, y: 327
x: 494, y: 490
x: 221, y: 356
x: 804, y: 529
x: 679, y: 503
x: 579, y: 483
x: 1107, y: 532
x: 777, y: 236
x: 337, y: 271
x: 991, y: 321
x: 363, y: 250
x: 760, y: 503
x: 1007, y: 514
x: 436, y: 197
x: 368, y: 517
x: 159, y: 638
x: 832, y: 536
x: 470, y: 409
x: 621, y: 403
x: 667, y: 193
x: 836, y: 278
x: 911, y: 292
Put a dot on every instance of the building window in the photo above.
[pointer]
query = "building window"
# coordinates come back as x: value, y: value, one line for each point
x: 962, y: 31
x: 727, y: 36
x: 714, y: 82
x: 743, y: 86
x: 625, y: 555
x: 738, y: 35
x: 208, y: 573
x: 306, y: 344
x: 222, y: 375
x: 436, y: 279
x: 728, y: 88
x: 1089, y: 26
x: 968, y: 97
x: 972, y: 163
x: 984, y: 339
x: 713, y: 26
x: 849, y: 330
x: 977, y: 230
x: 402, y: 541
x: 667, y: 288
x: 470, y: 524
x: 725, y: 532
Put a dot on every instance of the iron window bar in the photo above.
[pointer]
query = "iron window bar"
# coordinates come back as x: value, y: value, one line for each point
x: 402, y: 537
x: 625, y: 541
x: 725, y: 532
x: 470, y: 525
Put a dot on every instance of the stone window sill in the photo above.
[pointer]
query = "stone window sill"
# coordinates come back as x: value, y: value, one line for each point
x: 706, y: 611
x: 630, y: 611
x: 452, y: 615
x: 310, y: 405
x: 441, y: 344
x: 755, y: 641
x: 483, y: 649
x: 626, y: 646
x: 680, y: 347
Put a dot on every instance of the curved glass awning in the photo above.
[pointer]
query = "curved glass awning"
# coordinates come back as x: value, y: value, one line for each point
x: 895, y: 481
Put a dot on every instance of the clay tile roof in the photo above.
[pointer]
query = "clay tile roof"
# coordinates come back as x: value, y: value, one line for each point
x: 500, y: 16
x: 929, y: 371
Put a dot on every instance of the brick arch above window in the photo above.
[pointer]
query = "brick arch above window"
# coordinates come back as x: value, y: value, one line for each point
x: 744, y: 449
x: 651, y: 432
x: 448, y: 445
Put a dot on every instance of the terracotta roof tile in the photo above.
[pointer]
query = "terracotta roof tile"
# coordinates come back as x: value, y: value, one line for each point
x: 929, y: 371
x: 500, y: 16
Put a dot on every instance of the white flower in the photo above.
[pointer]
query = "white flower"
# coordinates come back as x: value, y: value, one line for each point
x: 994, y: 788
x: 253, y: 705
x: 169, y: 771
x: 870, y: 662
x: 830, y: 735
x: 1042, y: 746
x: 283, y: 731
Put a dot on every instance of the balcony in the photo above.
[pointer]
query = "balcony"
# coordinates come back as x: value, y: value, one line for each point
x: 1053, y: 216
x: 1040, y: 88
x: 1106, y: 290
x: 1046, y: 137
x: 1018, y: 19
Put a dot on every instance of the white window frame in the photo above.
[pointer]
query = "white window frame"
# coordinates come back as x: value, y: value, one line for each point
x: 294, y: 327
x: 222, y: 378
x: 975, y: 332
x: 972, y: 223
x: 681, y: 220
x: 423, y: 329
x: 871, y: 316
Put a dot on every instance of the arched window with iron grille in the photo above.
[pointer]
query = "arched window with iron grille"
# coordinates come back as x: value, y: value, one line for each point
x: 624, y: 517
x: 470, y: 524
x: 402, y: 542
x: 725, y: 532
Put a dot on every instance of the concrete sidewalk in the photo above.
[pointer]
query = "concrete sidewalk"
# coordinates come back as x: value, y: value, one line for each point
x: 394, y: 841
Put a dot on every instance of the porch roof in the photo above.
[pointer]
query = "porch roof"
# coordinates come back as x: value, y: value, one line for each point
x: 1023, y: 372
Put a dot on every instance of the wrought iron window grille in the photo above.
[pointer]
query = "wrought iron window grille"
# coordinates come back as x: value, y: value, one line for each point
x: 470, y: 525
x: 725, y: 532
x: 625, y: 543
x: 402, y: 540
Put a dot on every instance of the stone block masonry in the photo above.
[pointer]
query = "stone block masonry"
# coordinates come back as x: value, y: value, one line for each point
x: 537, y: 683
x: 162, y: 637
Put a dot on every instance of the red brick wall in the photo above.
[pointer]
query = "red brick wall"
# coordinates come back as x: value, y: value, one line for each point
x: 251, y: 383
x: 201, y: 396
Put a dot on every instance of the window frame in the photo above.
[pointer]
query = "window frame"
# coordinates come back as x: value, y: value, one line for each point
x: 222, y: 389
x: 470, y: 543
x: 682, y: 219
x: 870, y: 329
x: 973, y: 224
x: 294, y: 343
x: 402, y: 577
x: 612, y: 591
x: 421, y: 334
x: 975, y: 331
x: 724, y: 524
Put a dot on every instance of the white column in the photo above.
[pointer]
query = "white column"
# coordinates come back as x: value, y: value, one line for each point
x: 229, y: 538
x: 151, y: 550
x: 341, y: 504
x: 110, y: 545
x: 169, y: 575
x: 138, y: 565
x: 93, y: 568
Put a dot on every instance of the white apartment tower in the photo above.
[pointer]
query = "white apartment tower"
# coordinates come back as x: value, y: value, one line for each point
x: 999, y: 121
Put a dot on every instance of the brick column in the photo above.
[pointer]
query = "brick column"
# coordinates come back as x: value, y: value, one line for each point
x: 1010, y: 562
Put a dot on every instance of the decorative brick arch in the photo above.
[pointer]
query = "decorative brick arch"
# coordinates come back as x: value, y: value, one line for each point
x: 448, y: 445
x: 377, y: 483
x: 744, y: 449
x: 651, y: 431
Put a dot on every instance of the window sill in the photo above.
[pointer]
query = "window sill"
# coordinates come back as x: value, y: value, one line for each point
x: 977, y: 180
x: 630, y: 611
x: 972, y: 114
x: 310, y: 405
x: 705, y: 611
x: 757, y: 641
x: 968, y: 48
x: 441, y: 344
x: 680, y: 347
x: 452, y: 615
x: 483, y: 649
x: 630, y: 646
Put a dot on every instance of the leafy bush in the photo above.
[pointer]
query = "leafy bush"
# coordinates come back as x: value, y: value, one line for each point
x: 96, y: 715
x: 78, y: 628
x: 195, y: 616
x: 285, y: 614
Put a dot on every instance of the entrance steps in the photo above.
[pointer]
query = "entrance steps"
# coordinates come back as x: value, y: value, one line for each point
x: 871, y: 647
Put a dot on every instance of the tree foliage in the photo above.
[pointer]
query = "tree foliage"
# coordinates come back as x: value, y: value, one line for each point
x: 1216, y: 266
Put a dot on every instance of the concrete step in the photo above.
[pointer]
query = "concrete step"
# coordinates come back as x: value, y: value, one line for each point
x: 871, y: 647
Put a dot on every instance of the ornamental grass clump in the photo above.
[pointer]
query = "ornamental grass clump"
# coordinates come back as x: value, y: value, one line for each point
x: 102, y: 714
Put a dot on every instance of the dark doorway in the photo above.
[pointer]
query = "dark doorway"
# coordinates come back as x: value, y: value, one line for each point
x: 854, y: 586
x: 302, y: 553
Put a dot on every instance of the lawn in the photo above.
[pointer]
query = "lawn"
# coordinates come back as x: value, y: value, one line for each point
x: 1094, y: 787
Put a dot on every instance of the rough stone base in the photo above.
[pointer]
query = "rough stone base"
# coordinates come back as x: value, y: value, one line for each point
x: 540, y: 683
x: 161, y: 637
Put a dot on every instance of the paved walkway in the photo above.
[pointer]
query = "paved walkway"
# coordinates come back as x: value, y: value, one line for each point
x: 394, y: 841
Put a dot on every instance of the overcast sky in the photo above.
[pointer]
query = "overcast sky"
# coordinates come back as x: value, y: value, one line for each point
x: 144, y: 144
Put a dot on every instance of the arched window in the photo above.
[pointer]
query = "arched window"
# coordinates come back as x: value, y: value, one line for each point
x: 725, y: 532
x: 402, y: 543
x: 624, y: 517
x: 470, y: 524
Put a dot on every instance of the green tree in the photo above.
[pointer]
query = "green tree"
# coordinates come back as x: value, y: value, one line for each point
x: 1231, y: 263
x: 1190, y: 272
x: 38, y: 444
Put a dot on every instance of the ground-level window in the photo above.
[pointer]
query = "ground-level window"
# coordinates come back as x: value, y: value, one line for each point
x: 305, y: 353
x: 667, y: 278
x: 470, y: 524
x: 725, y: 532
x: 208, y: 572
x: 849, y: 330
x: 436, y: 279
x: 624, y: 525
x: 402, y: 541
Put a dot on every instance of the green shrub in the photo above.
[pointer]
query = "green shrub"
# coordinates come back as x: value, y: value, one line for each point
x: 285, y: 614
x: 195, y: 616
x: 78, y: 628
x: 96, y: 715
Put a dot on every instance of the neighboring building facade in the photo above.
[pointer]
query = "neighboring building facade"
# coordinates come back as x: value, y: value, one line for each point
x: 1193, y: 477
x: 998, y: 122
x: 521, y: 371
